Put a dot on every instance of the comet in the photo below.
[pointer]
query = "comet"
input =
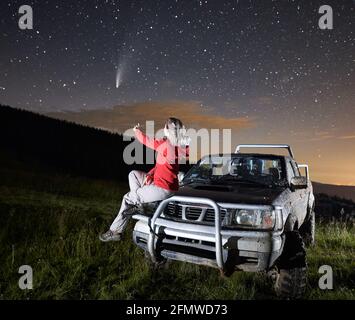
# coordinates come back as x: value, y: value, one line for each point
x: 120, y: 71
x: 118, y: 77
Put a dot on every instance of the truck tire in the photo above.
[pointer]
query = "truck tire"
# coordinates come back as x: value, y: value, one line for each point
x: 291, y: 277
x: 307, y: 230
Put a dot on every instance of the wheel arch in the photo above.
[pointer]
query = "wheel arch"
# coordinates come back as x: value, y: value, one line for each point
x: 291, y: 223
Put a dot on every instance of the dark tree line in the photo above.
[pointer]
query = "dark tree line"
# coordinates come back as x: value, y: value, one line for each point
x: 64, y: 146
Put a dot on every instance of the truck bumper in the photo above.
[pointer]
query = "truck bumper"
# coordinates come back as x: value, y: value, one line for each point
x: 200, y: 244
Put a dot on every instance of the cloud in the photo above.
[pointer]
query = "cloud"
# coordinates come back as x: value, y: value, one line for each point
x: 121, y: 118
x: 322, y: 135
x: 347, y: 137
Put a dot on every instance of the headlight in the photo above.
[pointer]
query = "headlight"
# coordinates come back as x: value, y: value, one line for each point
x: 255, y: 218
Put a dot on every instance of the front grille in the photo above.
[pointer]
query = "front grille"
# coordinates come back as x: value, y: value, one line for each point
x: 192, y: 212
x: 210, y: 215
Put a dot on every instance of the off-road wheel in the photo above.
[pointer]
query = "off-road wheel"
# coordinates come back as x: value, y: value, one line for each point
x: 291, y: 268
x: 307, y: 230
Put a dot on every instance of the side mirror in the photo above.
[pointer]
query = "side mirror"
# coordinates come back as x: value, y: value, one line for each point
x: 181, y: 176
x: 299, y: 183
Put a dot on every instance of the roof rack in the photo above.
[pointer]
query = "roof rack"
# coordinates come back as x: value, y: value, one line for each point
x: 281, y: 146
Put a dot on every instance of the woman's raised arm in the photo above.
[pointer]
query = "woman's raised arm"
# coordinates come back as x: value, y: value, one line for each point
x: 147, y: 141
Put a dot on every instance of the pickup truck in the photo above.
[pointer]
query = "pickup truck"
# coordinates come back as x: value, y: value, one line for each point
x: 250, y: 212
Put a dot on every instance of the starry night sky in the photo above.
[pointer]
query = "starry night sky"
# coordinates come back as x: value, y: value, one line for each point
x: 265, y: 64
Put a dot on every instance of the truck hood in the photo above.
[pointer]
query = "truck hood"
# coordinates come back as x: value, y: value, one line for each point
x: 243, y: 194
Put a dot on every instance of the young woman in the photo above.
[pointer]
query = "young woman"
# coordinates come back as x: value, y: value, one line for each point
x: 160, y: 182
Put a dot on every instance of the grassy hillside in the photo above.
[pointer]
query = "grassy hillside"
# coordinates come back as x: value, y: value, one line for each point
x: 52, y: 222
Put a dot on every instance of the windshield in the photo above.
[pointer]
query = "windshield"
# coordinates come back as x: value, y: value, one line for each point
x: 233, y: 169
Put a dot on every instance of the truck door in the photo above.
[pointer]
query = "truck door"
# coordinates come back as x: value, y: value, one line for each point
x: 302, y: 193
x: 297, y: 195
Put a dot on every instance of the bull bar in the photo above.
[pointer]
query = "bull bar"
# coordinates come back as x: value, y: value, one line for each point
x: 207, y: 232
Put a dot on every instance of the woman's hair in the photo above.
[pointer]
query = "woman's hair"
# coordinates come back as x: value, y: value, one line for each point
x: 176, y: 133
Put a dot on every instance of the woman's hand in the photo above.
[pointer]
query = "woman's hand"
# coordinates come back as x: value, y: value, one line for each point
x: 136, y: 127
x: 145, y: 180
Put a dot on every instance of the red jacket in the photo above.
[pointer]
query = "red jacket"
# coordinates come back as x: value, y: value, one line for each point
x: 164, y: 174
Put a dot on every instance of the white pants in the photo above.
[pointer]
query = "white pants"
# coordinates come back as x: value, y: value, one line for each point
x: 138, y: 194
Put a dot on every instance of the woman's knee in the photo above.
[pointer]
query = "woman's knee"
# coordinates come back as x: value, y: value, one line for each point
x: 132, y: 174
